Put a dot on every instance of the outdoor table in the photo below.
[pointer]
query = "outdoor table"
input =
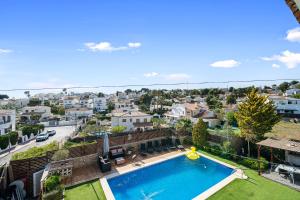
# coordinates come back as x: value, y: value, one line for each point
x: 119, y: 161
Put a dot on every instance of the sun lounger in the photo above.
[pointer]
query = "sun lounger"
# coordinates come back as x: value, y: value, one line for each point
x: 178, y: 144
x: 157, y: 146
x: 150, y: 147
x: 105, y: 165
x: 143, y: 151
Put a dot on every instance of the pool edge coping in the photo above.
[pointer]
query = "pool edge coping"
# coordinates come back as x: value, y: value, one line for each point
x: 204, y: 195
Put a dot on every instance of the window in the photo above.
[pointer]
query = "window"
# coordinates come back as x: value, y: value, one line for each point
x: 137, y: 120
x: 123, y: 120
x: 130, y: 120
x: 145, y: 120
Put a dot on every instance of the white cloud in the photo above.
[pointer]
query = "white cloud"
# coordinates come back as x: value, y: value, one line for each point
x: 134, y: 44
x: 151, y: 74
x: 275, y: 66
x: 177, y: 77
x: 288, y: 58
x: 108, y: 47
x: 225, y: 63
x: 3, y: 51
x: 293, y: 35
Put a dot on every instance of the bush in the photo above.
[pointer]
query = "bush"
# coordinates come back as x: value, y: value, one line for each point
x: 253, y: 164
x: 52, y: 183
x: 4, y: 141
x: 13, y: 137
x: 188, y: 140
x: 118, y: 129
x: 35, y: 151
x: 28, y: 129
x: 92, y: 122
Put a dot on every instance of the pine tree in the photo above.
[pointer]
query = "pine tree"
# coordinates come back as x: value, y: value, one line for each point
x: 256, y: 116
x: 200, y: 133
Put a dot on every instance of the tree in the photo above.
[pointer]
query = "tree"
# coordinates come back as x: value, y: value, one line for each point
x: 34, y: 102
x: 184, y: 126
x: 4, y: 96
x: 100, y: 94
x: 256, y: 116
x: 200, y: 133
x: 284, y: 86
x: 110, y: 106
x: 231, y: 99
x: 231, y: 119
x: 27, y: 93
x: 158, y: 122
x: 213, y: 102
x: 294, y: 82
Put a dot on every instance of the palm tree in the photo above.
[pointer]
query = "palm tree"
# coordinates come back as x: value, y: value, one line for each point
x: 27, y: 93
x: 184, y: 126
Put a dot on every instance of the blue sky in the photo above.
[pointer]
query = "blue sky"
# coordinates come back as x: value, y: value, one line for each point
x: 62, y: 43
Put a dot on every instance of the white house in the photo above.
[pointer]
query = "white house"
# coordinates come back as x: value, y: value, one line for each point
x: 43, y: 111
x: 7, y: 121
x: 98, y: 103
x: 132, y: 120
x: 286, y: 106
x: 71, y: 102
x: 77, y: 113
x: 292, y: 92
x: 180, y: 111
x: 125, y: 105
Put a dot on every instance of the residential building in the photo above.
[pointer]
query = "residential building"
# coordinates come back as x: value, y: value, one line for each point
x: 71, y: 102
x: 98, y: 104
x: 125, y: 105
x: 292, y: 92
x: 7, y: 121
x: 44, y: 112
x: 286, y: 106
x: 132, y: 120
x: 78, y: 113
x: 180, y: 111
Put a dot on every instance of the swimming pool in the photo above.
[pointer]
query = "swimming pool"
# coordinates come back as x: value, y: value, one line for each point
x: 176, y: 178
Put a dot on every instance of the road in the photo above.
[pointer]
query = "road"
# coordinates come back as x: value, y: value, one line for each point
x: 62, y: 133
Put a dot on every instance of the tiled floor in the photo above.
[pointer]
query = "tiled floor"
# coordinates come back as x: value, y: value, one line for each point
x: 91, y: 172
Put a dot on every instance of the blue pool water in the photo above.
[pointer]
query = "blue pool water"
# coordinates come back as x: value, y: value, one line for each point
x: 177, y: 178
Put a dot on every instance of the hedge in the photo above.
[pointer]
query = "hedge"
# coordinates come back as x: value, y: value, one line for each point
x: 4, y: 139
x: 28, y: 129
x: 35, y: 151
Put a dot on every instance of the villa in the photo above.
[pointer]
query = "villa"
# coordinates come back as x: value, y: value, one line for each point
x: 132, y: 120
x: 287, y: 106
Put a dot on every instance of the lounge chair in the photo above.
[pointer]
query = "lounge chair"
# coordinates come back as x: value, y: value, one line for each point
x: 178, y: 144
x: 105, y: 165
x: 157, y: 146
x: 283, y: 173
x: 171, y: 143
x: 164, y: 145
x: 117, y: 153
x: 150, y: 147
x: 143, y: 151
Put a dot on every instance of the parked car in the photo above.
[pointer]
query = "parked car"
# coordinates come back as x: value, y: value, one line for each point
x: 42, y: 137
x: 51, y: 132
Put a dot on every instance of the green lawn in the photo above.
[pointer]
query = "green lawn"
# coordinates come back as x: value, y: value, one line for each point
x: 90, y: 190
x: 254, y: 188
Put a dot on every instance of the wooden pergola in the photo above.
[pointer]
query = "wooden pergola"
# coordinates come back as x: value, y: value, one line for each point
x: 295, y: 8
x: 274, y: 143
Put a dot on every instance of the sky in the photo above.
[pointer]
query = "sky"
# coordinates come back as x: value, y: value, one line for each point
x: 63, y: 43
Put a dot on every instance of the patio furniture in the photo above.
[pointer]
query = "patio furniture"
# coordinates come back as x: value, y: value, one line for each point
x: 150, y: 147
x: 178, y: 144
x: 164, y: 145
x: 143, y: 150
x: 105, y: 165
x: 157, y: 146
x: 116, y: 153
x: 120, y: 161
x: 171, y: 143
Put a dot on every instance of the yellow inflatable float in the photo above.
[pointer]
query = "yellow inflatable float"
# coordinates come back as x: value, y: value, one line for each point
x: 192, y: 154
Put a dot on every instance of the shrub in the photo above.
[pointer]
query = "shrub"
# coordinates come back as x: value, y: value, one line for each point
x: 35, y: 151
x: 253, y: 164
x: 60, y: 155
x: 28, y: 129
x: 92, y: 122
x: 13, y: 137
x: 54, y: 195
x: 188, y: 140
x: 52, y: 183
x: 118, y: 129
x: 4, y: 141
